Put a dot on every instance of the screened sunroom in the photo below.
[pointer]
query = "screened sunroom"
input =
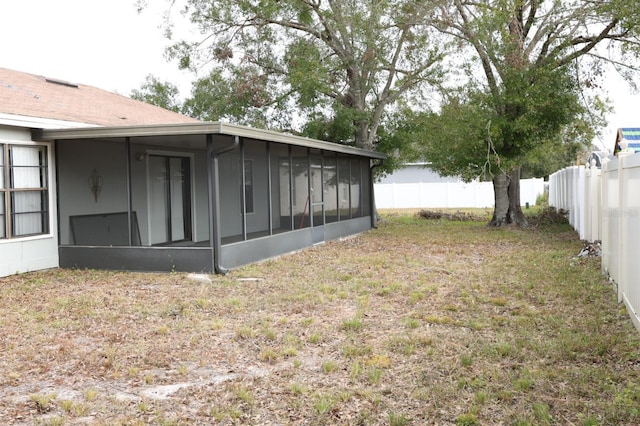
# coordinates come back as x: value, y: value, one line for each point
x: 202, y: 197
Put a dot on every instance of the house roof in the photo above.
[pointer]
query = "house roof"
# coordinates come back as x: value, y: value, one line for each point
x: 28, y: 95
x: 91, y: 113
x: 194, y: 135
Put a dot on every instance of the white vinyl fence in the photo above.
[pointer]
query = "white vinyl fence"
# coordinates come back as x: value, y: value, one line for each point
x: 449, y: 194
x: 605, y: 205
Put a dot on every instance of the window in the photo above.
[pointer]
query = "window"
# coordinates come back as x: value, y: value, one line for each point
x: 24, y: 194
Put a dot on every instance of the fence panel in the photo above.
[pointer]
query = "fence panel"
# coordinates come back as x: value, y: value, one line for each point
x: 605, y: 205
x: 630, y: 233
x: 610, y: 209
x: 592, y: 203
x: 567, y: 192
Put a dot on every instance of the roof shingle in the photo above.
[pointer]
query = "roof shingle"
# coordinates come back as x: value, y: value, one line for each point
x: 36, y: 96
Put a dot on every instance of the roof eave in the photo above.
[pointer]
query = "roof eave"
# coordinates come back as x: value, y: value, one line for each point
x: 195, y: 129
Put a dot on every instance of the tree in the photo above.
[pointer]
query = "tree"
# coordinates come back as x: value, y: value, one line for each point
x: 338, y: 66
x: 529, y: 52
x: 155, y: 92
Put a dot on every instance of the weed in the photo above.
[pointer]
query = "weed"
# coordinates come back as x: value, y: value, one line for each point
x: 43, y: 402
x: 289, y: 351
x: 244, y: 332
x: 201, y: 303
x: 13, y: 376
x: 176, y: 311
x: 467, y: 419
x: 408, y: 345
x: 269, y: 355
x: 355, y: 370
x: 236, y: 304
x: 297, y: 389
x: 629, y: 399
x: 315, y: 338
x: 217, y: 324
x: 381, y: 361
x: 80, y: 410
x: 306, y: 322
x: 351, y: 350
x: 109, y: 358
x: 269, y: 334
x: 66, y: 405
x: 396, y: 419
x: 324, y: 404
x: 481, y: 397
x: 466, y: 360
x: 329, y: 366
x: 524, y: 384
x: 440, y: 319
x: 541, y: 413
x: 498, y: 301
x: 503, y: 349
x: 144, y: 406
x: 354, y: 324
x: 411, y: 323
x: 54, y: 421
x: 243, y: 394
x: 90, y: 394
x: 374, y: 375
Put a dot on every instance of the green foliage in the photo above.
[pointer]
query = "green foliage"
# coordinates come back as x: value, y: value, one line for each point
x: 358, y: 73
x: 339, y: 66
x: 155, y: 92
x: 529, y: 91
x: 240, y: 97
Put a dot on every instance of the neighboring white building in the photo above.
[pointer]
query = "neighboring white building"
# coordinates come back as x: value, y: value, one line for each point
x: 418, y: 186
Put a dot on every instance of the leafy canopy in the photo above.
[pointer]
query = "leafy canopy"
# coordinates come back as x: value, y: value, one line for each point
x: 286, y: 63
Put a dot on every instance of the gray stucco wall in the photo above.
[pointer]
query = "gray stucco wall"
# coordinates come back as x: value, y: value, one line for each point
x: 78, y: 159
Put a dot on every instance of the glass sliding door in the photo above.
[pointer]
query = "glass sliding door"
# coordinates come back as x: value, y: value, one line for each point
x: 170, y: 199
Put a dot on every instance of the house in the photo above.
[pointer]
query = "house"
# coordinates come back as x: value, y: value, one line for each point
x: 92, y: 179
x: 627, y: 139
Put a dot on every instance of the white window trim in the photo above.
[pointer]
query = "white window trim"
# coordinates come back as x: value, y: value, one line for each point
x: 50, y: 191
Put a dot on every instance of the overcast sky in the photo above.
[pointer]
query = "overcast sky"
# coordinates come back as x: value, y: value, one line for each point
x: 104, y: 43
x: 107, y: 44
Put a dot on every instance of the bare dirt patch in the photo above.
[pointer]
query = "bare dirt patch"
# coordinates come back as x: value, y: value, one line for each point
x: 417, y: 322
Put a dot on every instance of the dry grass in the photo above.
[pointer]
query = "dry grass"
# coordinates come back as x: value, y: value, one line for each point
x: 417, y: 322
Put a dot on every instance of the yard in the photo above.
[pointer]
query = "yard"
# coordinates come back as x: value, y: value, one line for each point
x: 419, y: 322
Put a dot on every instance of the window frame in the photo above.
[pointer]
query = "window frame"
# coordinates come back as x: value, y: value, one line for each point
x: 8, y: 189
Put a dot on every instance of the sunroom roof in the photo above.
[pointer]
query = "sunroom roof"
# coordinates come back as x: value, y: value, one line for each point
x: 181, y: 132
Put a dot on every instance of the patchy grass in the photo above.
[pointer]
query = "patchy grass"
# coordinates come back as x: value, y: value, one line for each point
x: 422, y: 321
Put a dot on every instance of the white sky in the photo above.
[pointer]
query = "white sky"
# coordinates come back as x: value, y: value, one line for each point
x: 107, y: 44
x: 102, y: 43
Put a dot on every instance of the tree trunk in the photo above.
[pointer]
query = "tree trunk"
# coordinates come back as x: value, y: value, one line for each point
x: 515, y: 214
x: 507, y: 210
x: 501, y: 199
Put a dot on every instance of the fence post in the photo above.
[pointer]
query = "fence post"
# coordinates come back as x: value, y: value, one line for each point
x: 621, y: 226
